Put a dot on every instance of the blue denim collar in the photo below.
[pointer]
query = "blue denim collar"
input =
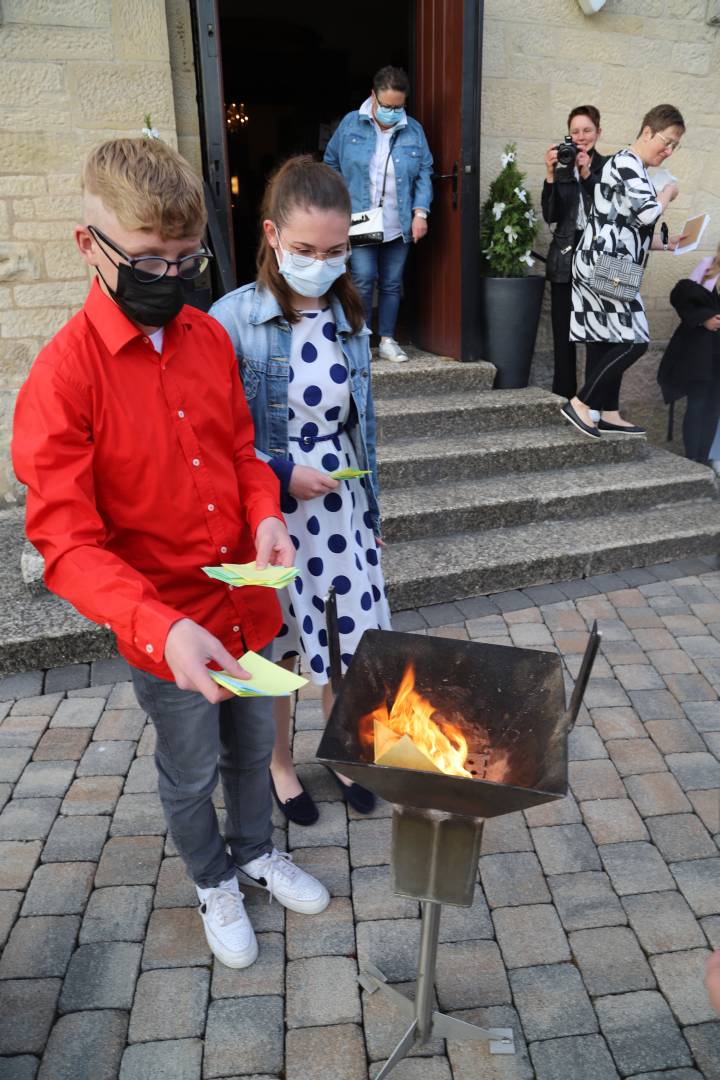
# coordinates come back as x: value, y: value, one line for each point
x: 265, y: 308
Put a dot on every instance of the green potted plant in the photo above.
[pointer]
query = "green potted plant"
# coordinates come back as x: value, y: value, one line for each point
x: 510, y: 299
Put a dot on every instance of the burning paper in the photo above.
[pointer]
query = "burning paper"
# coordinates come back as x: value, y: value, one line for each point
x: 414, y: 735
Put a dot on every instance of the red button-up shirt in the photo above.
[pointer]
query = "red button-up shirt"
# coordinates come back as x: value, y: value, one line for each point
x: 140, y: 470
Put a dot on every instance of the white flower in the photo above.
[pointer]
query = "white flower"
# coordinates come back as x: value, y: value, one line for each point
x: 521, y: 194
x: 511, y: 234
x: 498, y: 209
x: 531, y: 216
x: 151, y: 133
x: 507, y: 158
x: 527, y: 259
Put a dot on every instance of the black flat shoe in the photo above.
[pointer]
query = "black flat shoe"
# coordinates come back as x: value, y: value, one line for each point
x: 361, y: 800
x: 300, y: 808
x: 570, y: 415
x: 605, y: 425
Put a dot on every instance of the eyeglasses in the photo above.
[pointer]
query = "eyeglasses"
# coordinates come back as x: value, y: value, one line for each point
x: 390, y: 108
x: 669, y: 144
x: 147, y: 268
x: 302, y: 260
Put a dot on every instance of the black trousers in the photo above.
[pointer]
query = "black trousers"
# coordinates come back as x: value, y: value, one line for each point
x: 701, y: 417
x: 606, y: 363
x: 564, y: 376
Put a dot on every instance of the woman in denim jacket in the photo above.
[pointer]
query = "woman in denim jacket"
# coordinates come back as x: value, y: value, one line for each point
x: 304, y: 356
x: 379, y: 147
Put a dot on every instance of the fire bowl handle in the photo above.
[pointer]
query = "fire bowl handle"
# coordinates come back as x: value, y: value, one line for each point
x: 583, y: 676
x: 331, y: 619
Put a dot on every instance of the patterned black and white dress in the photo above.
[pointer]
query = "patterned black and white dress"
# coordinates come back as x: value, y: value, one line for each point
x: 625, y: 192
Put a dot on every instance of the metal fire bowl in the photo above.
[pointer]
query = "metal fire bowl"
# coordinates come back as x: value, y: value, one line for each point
x: 512, y: 700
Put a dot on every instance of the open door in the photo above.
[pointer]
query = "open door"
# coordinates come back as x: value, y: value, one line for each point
x: 446, y: 102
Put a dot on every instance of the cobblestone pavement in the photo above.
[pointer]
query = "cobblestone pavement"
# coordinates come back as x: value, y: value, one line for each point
x: 588, y: 934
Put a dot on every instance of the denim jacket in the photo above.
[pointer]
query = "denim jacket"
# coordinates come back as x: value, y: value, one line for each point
x: 261, y: 338
x: 350, y: 151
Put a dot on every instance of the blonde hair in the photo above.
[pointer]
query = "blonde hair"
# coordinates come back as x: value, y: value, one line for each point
x: 713, y: 269
x: 146, y: 185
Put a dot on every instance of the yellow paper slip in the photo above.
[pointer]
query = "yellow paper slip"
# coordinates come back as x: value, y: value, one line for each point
x: 349, y: 474
x: 250, y: 573
x: 266, y: 679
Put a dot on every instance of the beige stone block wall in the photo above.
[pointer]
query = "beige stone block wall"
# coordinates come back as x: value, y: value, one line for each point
x: 541, y: 59
x: 72, y: 72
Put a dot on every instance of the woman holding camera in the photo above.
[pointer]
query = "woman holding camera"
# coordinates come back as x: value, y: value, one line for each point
x: 607, y: 310
x: 566, y: 200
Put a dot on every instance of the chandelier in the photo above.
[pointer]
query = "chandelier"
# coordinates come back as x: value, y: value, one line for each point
x: 236, y: 117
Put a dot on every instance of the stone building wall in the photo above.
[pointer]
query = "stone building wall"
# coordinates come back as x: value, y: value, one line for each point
x: 72, y: 72
x: 543, y: 57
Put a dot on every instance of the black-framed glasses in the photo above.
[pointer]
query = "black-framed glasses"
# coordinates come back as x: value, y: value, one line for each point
x: 148, y: 268
x: 390, y: 108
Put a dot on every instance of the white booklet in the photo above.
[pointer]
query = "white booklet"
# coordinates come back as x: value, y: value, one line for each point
x: 692, y: 234
x: 661, y: 178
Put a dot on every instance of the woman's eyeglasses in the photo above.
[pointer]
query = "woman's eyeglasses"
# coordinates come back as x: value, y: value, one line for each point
x: 669, y: 144
x: 147, y: 268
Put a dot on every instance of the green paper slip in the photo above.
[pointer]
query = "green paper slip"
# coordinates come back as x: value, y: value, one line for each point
x: 267, y: 679
x: 349, y: 474
x: 237, y: 575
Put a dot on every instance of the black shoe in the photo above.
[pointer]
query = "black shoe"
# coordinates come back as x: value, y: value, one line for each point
x: 569, y: 413
x: 361, y: 800
x: 300, y: 808
x: 605, y: 425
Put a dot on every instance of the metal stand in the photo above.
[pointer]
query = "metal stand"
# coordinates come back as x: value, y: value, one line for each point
x: 426, y: 1022
x: 434, y: 859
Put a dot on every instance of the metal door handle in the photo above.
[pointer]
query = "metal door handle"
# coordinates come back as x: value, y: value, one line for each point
x: 450, y: 176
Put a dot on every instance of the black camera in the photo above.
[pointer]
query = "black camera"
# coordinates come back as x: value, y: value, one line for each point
x: 567, y: 151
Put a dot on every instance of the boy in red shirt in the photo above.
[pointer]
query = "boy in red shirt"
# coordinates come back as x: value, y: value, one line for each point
x: 135, y: 442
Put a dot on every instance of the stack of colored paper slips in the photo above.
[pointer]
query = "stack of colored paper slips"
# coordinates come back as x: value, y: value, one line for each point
x: 266, y: 679
x: 237, y: 574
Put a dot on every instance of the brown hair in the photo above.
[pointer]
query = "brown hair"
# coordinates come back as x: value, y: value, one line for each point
x: 302, y: 183
x: 146, y: 185
x: 391, y: 78
x: 713, y: 268
x: 661, y: 117
x: 585, y: 110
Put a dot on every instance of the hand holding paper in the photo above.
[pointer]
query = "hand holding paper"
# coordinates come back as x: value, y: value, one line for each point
x: 692, y: 234
x: 265, y: 679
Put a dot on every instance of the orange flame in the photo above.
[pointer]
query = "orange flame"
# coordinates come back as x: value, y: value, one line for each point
x: 412, y: 715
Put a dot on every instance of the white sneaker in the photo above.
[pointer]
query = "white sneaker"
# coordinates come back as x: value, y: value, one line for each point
x: 278, y: 874
x: 390, y: 350
x: 227, y: 927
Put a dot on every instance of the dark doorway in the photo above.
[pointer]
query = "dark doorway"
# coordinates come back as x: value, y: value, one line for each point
x: 293, y: 71
x: 290, y: 74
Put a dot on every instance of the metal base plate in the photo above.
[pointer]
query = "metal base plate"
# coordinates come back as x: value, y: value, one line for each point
x: 499, y: 1040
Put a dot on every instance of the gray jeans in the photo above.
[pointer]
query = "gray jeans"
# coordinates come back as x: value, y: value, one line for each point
x: 196, y: 741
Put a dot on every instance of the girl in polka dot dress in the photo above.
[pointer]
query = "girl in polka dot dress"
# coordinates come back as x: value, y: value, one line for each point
x: 304, y: 355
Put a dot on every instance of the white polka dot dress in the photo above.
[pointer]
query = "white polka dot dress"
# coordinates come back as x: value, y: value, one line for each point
x: 332, y: 534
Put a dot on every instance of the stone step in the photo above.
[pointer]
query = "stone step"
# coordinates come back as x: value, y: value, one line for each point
x: 446, y: 568
x: 424, y: 373
x: 502, y: 501
x: 436, y: 459
x: 459, y: 412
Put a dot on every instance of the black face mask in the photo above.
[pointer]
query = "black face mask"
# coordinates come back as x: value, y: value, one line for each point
x: 153, y: 304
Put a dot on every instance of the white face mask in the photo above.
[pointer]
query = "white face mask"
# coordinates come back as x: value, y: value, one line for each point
x: 308, y: 276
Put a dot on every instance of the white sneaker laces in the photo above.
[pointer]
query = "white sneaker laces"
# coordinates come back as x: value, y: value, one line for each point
x: 279, y: 863
x: 224, y: 906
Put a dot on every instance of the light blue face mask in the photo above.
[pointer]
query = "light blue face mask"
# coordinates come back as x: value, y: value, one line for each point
x: 388, y: 117
x: 308, y: 276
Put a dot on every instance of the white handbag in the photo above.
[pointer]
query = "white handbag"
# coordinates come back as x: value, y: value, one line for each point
x: 366, y: 226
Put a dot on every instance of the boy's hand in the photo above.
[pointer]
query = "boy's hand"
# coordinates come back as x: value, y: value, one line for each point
x: 273, y: 544
x: 188, y: 649
x: 308, y: 483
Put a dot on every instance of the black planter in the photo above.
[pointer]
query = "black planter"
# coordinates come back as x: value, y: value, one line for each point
x: 509, y: 317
